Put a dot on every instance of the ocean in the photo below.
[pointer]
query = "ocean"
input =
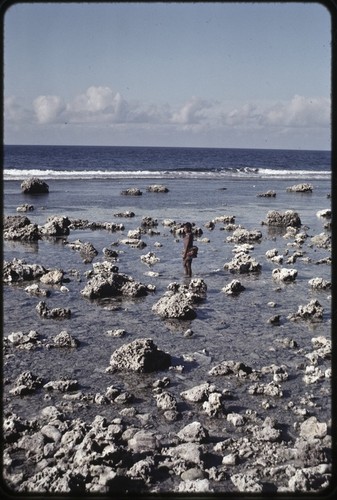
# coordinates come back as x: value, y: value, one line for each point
x: 203, y: 184
x: 90, y: 162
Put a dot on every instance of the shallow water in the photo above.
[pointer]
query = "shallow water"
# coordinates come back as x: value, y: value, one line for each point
x: 225, y: 328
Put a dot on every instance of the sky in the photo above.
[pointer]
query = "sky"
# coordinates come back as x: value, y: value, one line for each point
x: 228, y: 75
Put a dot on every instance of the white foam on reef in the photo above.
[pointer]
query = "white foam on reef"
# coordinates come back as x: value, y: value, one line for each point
x: 263, y: 173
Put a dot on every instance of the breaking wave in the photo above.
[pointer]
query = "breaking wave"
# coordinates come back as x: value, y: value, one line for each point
x: 239, y: 172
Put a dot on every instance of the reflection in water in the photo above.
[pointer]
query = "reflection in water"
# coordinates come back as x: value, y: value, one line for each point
x: 21, y: 246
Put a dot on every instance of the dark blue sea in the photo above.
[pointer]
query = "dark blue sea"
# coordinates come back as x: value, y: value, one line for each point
x: 87, y: 162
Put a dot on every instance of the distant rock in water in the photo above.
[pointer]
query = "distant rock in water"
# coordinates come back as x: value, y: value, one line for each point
x: 25, y: 208
x: 267, y: 194
x: 301, y: 188
x: 34, y: 185
x: 157, y: 188
x: 132, y: 192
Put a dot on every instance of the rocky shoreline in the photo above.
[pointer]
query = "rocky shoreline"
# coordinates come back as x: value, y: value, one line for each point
x: 226, y: 434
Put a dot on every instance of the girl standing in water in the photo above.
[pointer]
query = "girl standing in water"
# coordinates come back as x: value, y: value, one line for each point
x: 188, y: 243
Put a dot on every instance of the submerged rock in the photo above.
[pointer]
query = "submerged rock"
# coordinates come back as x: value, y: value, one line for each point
x: 132, y: 192
x: 267, y: 194
x: 36, y: 290
x: 126, y: 214
x: 25, y: 208
x: 85, y: 224
x: 58, y: 312
x: 87, y: 250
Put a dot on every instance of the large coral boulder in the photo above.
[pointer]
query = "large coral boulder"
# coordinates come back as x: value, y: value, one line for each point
x: 178, y: 301
x: 141, y: 355
x: 100, y: 286
x: 241, y: 235
x: 56, y: 226
x: 284, y: 274
x: 19, y: 227
x: 34, y: 185
x: 286, y: 219
x: 243, y: 263
x: 175, y: 306
x: 18, y: 270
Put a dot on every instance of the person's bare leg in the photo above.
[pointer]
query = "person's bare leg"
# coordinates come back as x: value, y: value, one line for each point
x: 188, y: 268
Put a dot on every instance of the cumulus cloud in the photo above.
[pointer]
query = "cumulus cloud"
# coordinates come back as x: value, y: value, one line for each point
x: 246, y: 116
x: 48, y: 108
x: 103, y: 110
x: 95, y: 99
x: 300, y: 111
x: 14, y: 112
x: 100, y: 105
x: 192, y: 112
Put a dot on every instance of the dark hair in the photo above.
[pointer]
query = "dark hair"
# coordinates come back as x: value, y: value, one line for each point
x: 188, y: 224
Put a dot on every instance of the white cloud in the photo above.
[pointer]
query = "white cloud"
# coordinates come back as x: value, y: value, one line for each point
x: 197, y: 121
x: 192, y: 112
x: 98, y: 105
x: 102, y: 105
x: 14, y: 112
x: 94, y: 100
x: 48, y: 108
x: 300, y: 112
x: 248, y: 116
